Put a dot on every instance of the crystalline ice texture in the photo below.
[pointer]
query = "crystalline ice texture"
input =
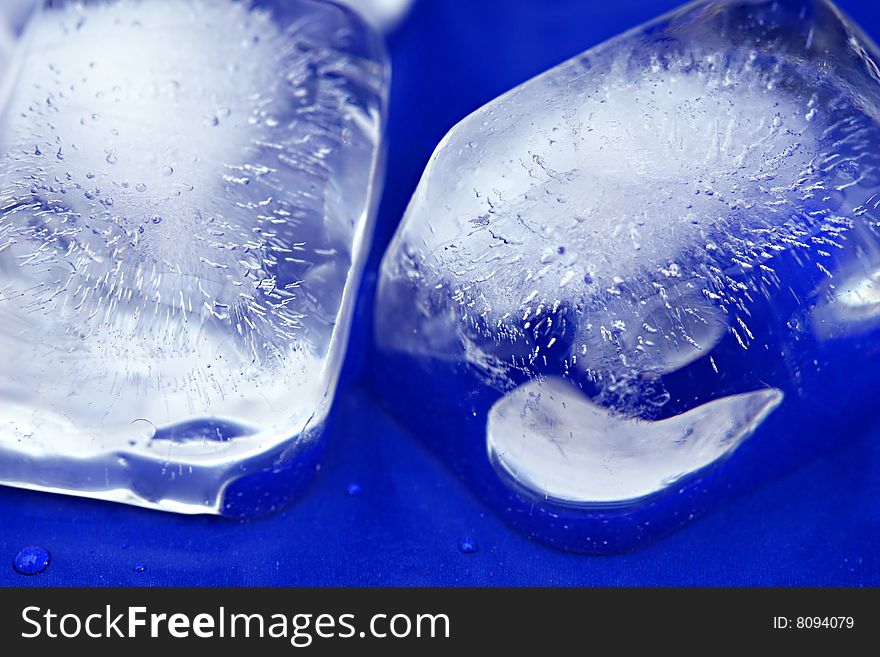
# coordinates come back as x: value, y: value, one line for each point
x: 613, y: 274
x: 186, y: 193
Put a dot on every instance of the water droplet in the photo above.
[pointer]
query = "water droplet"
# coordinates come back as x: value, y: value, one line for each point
x: 37, y: 150
x: 111, y: 157
x: 468, y: 545
x: 166, y: 170
x: 60, y: 154
x: 31, y: 560
x: 139, y: 568
x: 141, y: 187
x: 354, y: 489
x: 156, y: 220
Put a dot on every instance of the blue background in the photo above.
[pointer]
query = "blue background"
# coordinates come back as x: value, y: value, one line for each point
x: 817, y: 526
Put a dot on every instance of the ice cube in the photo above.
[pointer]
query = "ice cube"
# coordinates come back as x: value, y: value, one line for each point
x: 187, y: 194
x: 675, y: 230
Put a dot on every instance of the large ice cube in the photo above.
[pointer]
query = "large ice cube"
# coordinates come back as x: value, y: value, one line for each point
x: 650, y: 248
x: 186, y: 205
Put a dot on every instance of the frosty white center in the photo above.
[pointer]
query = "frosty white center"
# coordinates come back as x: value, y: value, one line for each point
x: 628, y: 169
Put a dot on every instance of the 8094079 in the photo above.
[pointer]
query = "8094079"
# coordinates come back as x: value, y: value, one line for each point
x: 814, y: 623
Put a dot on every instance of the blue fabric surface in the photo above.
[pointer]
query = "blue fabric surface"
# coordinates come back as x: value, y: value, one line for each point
x: 817, y: 526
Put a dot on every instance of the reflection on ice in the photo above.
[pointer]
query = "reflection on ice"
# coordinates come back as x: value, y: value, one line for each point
x: 555, y: 442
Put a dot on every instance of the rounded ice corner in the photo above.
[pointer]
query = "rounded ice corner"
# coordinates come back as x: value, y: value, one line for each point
x: 645, y: 280
x: 184, y: 232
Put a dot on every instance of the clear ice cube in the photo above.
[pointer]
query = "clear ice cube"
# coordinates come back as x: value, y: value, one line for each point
x: 612, y: 275
x: 187, y: 193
